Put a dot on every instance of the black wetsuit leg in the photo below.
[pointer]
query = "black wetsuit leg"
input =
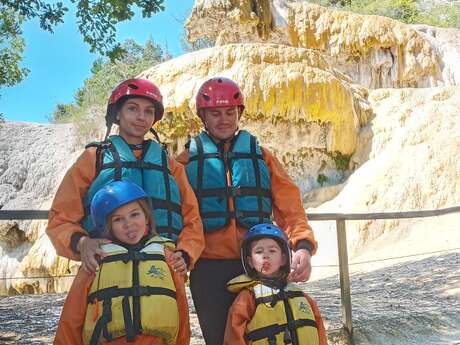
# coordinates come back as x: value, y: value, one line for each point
x: 208, y: 284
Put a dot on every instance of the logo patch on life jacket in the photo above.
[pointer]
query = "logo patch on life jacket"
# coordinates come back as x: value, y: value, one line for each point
x: 303, y: 308
x: 156, y: 272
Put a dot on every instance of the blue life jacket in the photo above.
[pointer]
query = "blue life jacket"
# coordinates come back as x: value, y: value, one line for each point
x: 250, y: 181
x: 116, y: 161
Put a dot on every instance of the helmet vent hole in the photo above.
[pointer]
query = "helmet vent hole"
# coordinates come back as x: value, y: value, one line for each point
x: 219, y: 80
x: 236, y: 95
x: 133, y: 86
x: 206, y: 98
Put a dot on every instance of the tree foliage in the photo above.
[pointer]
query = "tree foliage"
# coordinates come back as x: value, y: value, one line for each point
x: 96, y: 21
x: 407, y: 11
x: 11, y: 48
x: 106, y: 75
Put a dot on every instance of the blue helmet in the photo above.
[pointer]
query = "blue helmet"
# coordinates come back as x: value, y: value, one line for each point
x: 264, y: 231
x: 109, y: 198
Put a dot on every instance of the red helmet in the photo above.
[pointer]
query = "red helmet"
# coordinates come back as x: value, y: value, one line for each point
x: 219, y: 92
x: 138, y: 88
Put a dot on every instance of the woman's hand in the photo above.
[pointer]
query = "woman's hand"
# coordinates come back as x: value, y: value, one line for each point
x: 90, y: 250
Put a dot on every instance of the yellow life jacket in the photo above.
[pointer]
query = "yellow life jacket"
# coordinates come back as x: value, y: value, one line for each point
x: 133, y: 293
x: 281, y: 317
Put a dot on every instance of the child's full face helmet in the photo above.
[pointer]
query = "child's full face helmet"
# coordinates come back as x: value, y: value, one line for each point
x: 264, y: 231
x: 134, y: 88
x: 111, y: 197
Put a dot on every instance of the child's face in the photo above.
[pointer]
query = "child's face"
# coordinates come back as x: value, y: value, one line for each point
x: 266, y: 257
x: 128, y: 223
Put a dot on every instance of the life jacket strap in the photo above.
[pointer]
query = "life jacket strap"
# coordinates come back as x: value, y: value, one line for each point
x: 135, y: 291
x: 271, y: 331
x: 282, y: 295
x: 101, y: 324
x: 133, y: 255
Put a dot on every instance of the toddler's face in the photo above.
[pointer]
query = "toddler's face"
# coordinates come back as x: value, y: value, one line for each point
x: 266, y: 257
x: 128, y: 223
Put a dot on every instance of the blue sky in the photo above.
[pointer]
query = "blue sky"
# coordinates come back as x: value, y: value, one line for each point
x: 60, y: 62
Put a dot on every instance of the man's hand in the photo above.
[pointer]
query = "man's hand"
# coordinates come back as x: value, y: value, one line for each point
x: 90, y: 250
x: 300, y: 266
x: 178, y: 263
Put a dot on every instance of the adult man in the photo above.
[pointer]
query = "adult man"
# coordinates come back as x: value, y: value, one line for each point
x: 238, y: 184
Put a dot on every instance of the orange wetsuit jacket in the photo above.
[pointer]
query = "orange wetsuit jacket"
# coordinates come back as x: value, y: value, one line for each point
x: 287, y: 209
x: 242, y: 311
x: 73, y: 314
x: 67, y: 209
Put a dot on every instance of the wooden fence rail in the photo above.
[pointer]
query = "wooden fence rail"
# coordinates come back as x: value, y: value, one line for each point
x: 340, y: 219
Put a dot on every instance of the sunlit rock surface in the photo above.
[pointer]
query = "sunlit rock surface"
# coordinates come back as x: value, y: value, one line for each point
x: 296, y: 103
x: 33, y: 160
x: 406, y: 160
x: 373, y: 51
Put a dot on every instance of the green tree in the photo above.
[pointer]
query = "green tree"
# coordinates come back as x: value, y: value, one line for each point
x: 11, y: 48
x: 96, y: 22
x: 106, y: 75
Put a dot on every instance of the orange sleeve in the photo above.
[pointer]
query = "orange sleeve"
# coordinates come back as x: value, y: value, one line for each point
x: 70, y: 327
x: 182, y: 158
x: 67, y: 209
x: 287, y: 204
x: 319, y: 321
x: 183, y: 337
x: 239, y: 315
x: 191, y: 238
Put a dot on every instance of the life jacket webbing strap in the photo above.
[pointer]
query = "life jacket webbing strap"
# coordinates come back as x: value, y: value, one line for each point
x: 272, y: 330
x: 133, y: 255
x: 164, y: 159
x: 234, y: 191
x: 167, y: 204
x: 225, y: 155
x: 101, y: 324
x: 235, y: 214
x: 112, y: 292
x: 134, y: 165
x: 128, y: 319
x: 117, y: 163
x: 278, y: 297
x: 136, y: 300
x: 255, y: 162
x: 200, y: 163
x: 166, y: 231
x: 290, y: 334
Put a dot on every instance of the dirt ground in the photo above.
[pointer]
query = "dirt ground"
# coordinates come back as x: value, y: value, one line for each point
x: 412, y: 302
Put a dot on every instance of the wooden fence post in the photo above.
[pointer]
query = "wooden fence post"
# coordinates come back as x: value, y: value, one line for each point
x: 344, y: 276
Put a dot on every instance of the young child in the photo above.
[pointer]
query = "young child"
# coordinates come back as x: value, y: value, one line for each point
x: 137, y: 296
x: 268, y: 310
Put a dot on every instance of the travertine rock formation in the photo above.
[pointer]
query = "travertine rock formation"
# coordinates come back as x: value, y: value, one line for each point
x: 374, y: 51
x: 33, y: 160
x: 408, y: 161
x: 297, y: 105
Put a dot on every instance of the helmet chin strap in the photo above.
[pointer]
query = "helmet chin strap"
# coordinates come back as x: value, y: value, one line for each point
x: 107, y: 132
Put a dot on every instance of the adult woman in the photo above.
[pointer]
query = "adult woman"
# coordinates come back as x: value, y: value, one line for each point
x: 135, y: 105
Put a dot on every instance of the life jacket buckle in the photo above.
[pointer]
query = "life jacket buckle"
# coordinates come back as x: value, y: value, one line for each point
x: 228, y: 155
x: 234, y: 191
